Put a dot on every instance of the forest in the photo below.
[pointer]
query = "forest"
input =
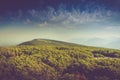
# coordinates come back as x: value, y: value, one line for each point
x: 56, y: 60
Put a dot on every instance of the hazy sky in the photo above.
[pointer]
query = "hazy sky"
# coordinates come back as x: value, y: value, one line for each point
x: 92, y: 22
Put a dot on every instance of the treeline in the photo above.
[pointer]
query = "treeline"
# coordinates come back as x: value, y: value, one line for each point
x: 59, y: 63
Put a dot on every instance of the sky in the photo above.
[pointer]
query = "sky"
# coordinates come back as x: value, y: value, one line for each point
x: 87, y: 22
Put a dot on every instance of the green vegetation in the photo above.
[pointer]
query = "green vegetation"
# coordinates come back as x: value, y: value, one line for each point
x: 55, y: 60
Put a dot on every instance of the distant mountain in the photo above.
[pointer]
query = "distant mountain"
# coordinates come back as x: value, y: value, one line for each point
x: 96, y: 42
x: 115, y: 43
x: 108, y: 43
x: 112, y: 43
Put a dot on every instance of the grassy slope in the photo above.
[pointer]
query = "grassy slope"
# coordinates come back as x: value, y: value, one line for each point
x: 48, y: 42
x: 43, y: 59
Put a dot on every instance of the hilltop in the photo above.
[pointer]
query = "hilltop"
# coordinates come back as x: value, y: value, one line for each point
x: 48, y: 42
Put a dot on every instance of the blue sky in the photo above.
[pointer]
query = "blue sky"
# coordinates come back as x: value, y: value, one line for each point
x: 89, y: 22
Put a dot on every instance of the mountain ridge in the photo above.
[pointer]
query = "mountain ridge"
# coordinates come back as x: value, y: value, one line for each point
x: 40, y: 42
x: 50, y: 42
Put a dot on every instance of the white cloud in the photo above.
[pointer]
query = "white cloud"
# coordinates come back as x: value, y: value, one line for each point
x: 76, y: 17
x: 27, y: 21
x: 63, y: 17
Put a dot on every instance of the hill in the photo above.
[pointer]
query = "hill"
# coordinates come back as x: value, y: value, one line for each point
x: 48, y: 42
x: 43, y: 59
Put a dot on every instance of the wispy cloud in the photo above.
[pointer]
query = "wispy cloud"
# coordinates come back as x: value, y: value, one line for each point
x: 62, y: 16
x: 75, y: 16
x: 70, y: 19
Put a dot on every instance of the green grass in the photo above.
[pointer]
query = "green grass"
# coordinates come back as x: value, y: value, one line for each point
x: 43, y: 59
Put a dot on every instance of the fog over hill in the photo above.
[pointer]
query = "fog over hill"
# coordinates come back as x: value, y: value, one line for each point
x: 99, y: 42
